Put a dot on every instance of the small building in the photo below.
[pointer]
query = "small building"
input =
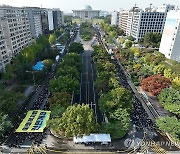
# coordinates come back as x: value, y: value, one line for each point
x: 86, y: 12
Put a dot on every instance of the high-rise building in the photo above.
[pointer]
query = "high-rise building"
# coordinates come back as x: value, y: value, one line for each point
x: 170, y: 42
x: 123, y: 18
x: 58, y: 18
x: 44, y: 21
x: 34, y: 14
x: 4, y: 53
x: 50, y: 19
x: 115, y: 18
x: 15, y: 31
x: 150, y: 19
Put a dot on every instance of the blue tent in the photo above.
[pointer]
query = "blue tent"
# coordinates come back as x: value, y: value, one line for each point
x: 39, y: 66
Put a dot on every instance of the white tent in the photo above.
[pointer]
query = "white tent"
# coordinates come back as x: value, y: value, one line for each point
x: 102, y: 138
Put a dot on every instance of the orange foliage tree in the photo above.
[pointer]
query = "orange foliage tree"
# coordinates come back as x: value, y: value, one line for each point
x: 155, y: 83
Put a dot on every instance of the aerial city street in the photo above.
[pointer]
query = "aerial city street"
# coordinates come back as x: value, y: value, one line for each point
x: 101, y: 79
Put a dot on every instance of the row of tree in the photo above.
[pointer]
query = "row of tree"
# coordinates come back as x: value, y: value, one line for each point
x: 17, y: 70
x: 75, y: 120
x: 115, y: 102
x: 149, y: 69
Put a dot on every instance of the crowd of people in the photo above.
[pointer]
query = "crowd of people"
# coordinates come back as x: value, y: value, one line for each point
x: 40, y: 103
x: 139, y: 116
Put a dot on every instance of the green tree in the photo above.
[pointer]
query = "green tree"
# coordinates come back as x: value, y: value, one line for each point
x: 170, y: 125
x: 64, y: 84
x: 128, y: 44
x: 136, y: 51
x: 169, y: 74
x: 176, y: 83
x: 145, y: 72
x: 5, y: 125
x: 122, y: 40
x: 152, y: 39
x: 48, y: 63
x: 170, y: 99
x: 9, y: 74
x: 77, y: 120
x: 107, y: 19
x: 63, y: 99
x: 8, y: 101
x: 70, y: 71
x: 76, y: 47
x: 122, y: 116
x: 52, y: 38
x: 159, y: 69
x: 116, y: 98
x: 130, y: 38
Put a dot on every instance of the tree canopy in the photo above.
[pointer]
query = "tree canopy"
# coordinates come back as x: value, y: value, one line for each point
x: 170, y: 99
x: 63, y: 99
x: 5, y: 124
x: 152, y: 39
x: 170, y: 125
x: 154, y: 84
x: 77, y: 120
x: 76, y: 47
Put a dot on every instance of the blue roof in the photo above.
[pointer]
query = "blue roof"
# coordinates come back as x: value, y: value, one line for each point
x: 39, y: 66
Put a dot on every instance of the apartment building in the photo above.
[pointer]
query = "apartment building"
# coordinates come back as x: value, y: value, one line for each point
x: 4, y: 53
x: 115, y: 18
x: 15, y: 31
x: 50, y: 19
x: 44, y: 21
x: 58, y: 18
x: 170, y: 42
x: 150, y: 19
x: 123, y: 18
x: 34, y: 14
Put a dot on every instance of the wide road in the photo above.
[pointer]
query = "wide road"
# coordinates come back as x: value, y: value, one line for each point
x: 87, y: 92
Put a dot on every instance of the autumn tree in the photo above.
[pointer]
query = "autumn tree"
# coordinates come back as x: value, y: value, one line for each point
x: 176, y: 83
x: 159, y: 69
x: 154, y: 84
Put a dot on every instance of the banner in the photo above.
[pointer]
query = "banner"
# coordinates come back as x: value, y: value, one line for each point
x: 35, y: 121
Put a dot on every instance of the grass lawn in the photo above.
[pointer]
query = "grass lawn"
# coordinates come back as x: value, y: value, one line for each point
x: 93, y: 21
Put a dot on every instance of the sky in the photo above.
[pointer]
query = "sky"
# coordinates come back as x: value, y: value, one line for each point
x: 105, y: 5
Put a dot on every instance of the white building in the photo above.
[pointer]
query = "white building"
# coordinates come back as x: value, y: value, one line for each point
x: 15, y: 32
x: 150, y: 19
x: 115, y: 18
x: 50, y: 19
x: 123, y: 18
x: 34, y: 14
x: 170, y: 42
x: 86, y: 12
